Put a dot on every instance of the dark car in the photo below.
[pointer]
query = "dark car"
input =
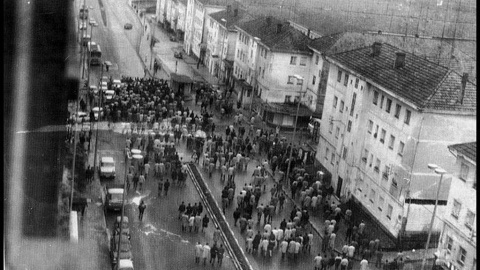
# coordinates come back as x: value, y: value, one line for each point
x: 128, y: 26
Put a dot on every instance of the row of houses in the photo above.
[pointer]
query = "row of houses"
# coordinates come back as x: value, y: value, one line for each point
x: 386, y: 111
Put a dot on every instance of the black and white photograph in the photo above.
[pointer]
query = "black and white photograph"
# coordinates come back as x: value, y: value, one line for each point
x: 240, y: 134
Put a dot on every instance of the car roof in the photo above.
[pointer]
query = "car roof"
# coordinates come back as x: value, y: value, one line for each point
x: 115, y: 190
x: 125, y: 218
x: 125, y: 263
x: 107, y: 159
x: 110, y: 92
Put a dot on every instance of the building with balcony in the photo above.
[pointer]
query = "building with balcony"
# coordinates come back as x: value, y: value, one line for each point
x: 457, y: 248
x: 221, y: 41
x: 387, y: 114
x: 268, y: 54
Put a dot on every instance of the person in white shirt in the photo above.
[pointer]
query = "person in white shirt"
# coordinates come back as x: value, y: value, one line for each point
x: 317, y: 261
x: 268, y: 228
x: 343, y: 264
x: 198, y: 252
x: 297, y: 250
x: 264, y: 246
x: 363, y: 264
x: 283, y: 248
x: 279, y: 236
x: 351, y: 252
x: 206, y: 252
x: 249, y: 244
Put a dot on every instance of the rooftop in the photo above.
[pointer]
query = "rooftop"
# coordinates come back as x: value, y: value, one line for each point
x: 231, y: 19
x: 288, y: 40
x: 467, y: 149
x: 420, y: 81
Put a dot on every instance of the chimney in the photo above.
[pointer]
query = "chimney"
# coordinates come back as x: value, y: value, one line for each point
x: 235, y: 12
x: 279, y: 28
x: 464, y: 84
x: 229, y: 9
x: 400, y: 60
x: 269, y: 20
x: 376, y: 48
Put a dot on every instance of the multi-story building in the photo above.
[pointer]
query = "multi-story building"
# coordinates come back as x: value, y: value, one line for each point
x: 269, y: 53
x: 458, y: 242
x: 221, y: 40
x: 195, y: 30
x: 386, y: 115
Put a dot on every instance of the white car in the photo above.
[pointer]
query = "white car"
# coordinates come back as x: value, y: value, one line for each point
x: 124, y: 264
x: 117, y: 83
x: 80, y: 117
x: 109, y: 94
x: 94, y: 89
x: 96, y: 111
x: 107, y: 167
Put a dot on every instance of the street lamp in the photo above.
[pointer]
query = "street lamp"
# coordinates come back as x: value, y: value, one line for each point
x: 127, y: 158
x: 298, y: 77
x: 440, y: 171
x: 100, y: 92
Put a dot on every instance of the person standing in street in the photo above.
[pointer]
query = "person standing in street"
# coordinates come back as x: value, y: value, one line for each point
x: 213, y: 253
x: 317, y: 261
x: 141, y: 180
x: 220, y: 252
x: 166, y: 186
x: 206, y: 252
x: 141, y: 208
x: 205, y: 221
x: 378, y: 256
x: 364, y: 264
x: 198, y: 252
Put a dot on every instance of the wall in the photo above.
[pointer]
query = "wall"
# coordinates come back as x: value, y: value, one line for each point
x: 182, y: 11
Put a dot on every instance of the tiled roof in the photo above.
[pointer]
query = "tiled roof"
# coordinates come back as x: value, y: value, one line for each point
x: 467, y: 149
x: 420, y: 81
x: 447, y: 95
x: 325, y: 43
x: 288, y: 40
x: 231, y: 19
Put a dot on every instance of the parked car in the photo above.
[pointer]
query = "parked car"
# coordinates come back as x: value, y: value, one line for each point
x: 124, y: 265
x: 128, y: 26
x: 109, y: 94
x: 82, y: 26
x: 107, y: 167
x: 125, y: 228
x: 125, y: 249
x: 178, y: 55
x: 113, y: 198
x: 80, y: 117
x: 96, y: 112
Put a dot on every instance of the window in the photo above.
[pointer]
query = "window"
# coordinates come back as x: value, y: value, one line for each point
x: 375, y: 98
x: 354, y: 99
x: 356, y: 82
x: 469, y: 219
x: 370, y: 126
x: 330, y: 127
x: 377, y: 166
x: 386, y: 169
x: 372, y: 196
x: 345, y: 82
x: 382, y: 135
x: 327, y: 152
x: 287, y: 99
x: 371, y: 160
x: 261, y: 52
x: 341, y: 105
x: 392, y: 141
x: 299, y: 81
x: 389, y: 105
x: 316, y: 59
x: 335, y: 100
x: 349, y: 125
x: 456, y: 208
x: 463, y: 171
x: 345, y: 151
x: 339, y: 76
x: 389, y: 211
x: 337, y: 132
x: 332, y: 159
x: 462, y: 254
x: 449, y: 244
x: 263, y: 73
x: 365, y: 155
x: 381, y: 201
x: 313, y: 79
x: 407, y: 116
x: 381, y: 102
x: 398, y: 108
x: 376, y: 132
x: 293, y: 60
x: 291, y: 79
x: 401, y: 145
x: 303, y: 61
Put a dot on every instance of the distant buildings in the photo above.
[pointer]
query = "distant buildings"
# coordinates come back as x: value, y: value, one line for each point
x: 458, y: 243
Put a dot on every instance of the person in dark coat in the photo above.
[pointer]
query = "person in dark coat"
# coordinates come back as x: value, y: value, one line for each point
x: 256, y: 242
x: 166, y: 186
x: 236, y: 216
x: 141, y: 209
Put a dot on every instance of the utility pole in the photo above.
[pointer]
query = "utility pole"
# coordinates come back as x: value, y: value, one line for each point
x: 123, y: 208
x: 100, y: 92
x: 152, y: 43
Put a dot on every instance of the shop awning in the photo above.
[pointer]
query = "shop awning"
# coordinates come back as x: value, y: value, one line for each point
x: 180, y: 78
x: 288, y: 108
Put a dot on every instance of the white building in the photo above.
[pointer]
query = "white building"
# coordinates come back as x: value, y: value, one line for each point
x: 268, y: 54
x: 195, y: 30
x: 458, y: 242
x: 386, y: 115
x: 221, y: 40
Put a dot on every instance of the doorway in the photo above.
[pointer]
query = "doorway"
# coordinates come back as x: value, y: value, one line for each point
x: 339, y: 187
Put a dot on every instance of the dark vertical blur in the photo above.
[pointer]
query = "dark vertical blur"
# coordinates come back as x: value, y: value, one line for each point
x: 45, y: 106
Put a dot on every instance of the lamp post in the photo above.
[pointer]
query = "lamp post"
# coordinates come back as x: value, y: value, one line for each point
x: 440, y: 171
x: 298, y: 77
x: 92, y: 24
x: 100, y: 92
x: 127, y: 158
x: 152, y: 42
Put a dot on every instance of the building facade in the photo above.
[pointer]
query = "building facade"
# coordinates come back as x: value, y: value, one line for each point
x: 385, y: 116
x: 457, y: 249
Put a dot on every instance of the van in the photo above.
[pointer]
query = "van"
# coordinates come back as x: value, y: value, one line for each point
x: 113, y: 198
x: 107, y: 167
